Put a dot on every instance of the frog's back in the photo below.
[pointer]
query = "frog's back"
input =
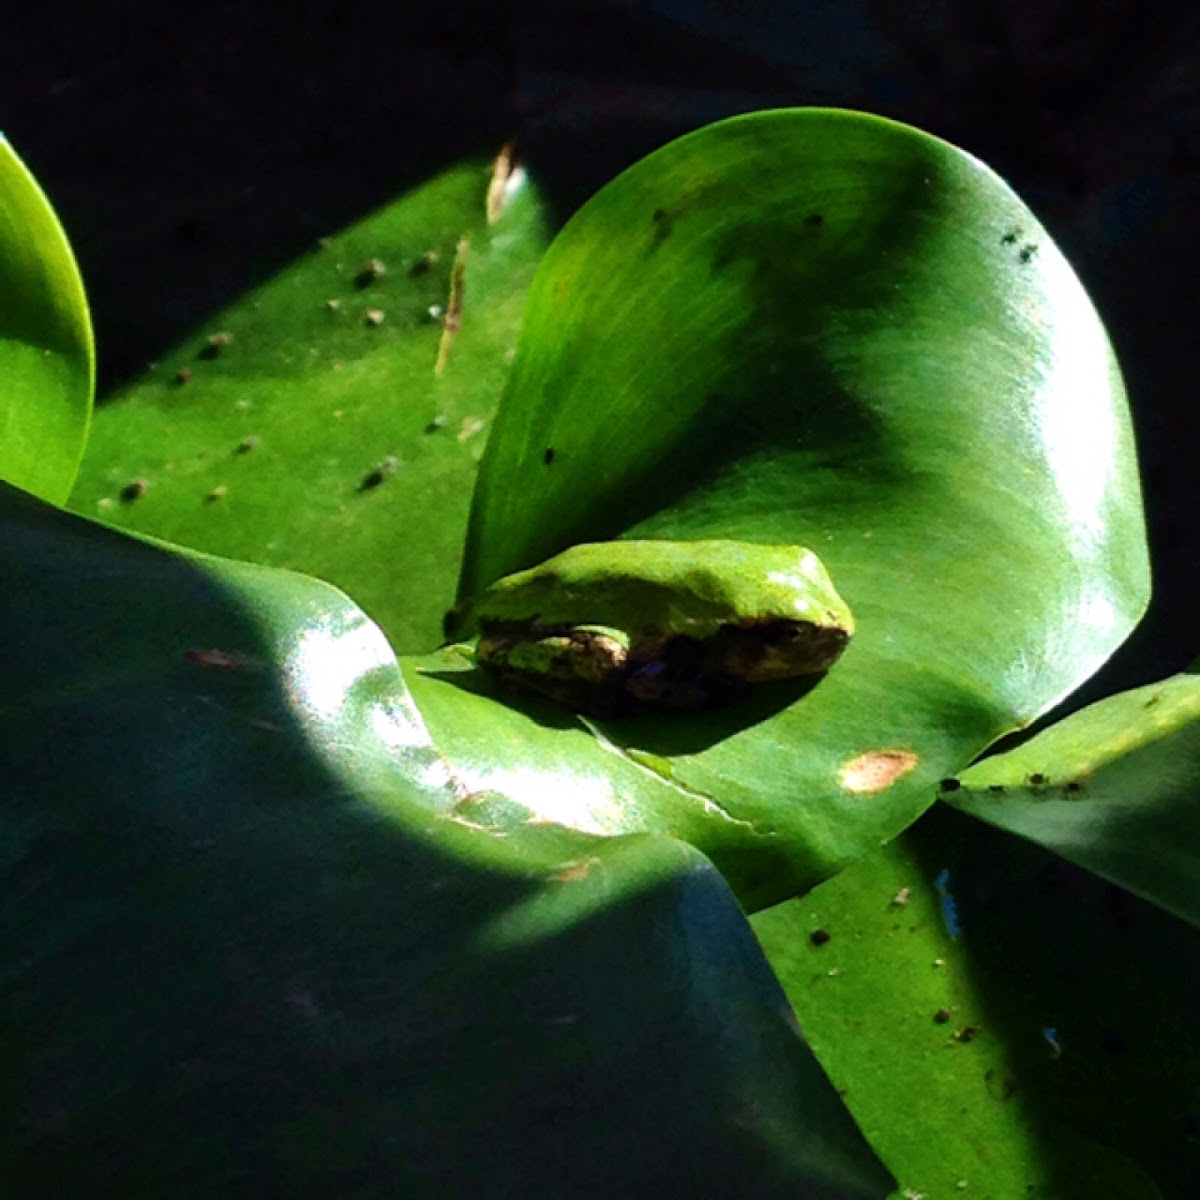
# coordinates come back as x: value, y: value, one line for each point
x: 687, y: 587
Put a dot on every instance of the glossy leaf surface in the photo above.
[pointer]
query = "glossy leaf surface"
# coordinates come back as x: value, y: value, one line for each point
x: 46, y: 358
x: 1000, y: 1023
x: 824, y: 329
x: 315, y: 440
x: 1114, y: 787
x: 244, y: 959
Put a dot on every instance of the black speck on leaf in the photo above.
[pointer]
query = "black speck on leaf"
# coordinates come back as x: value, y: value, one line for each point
x: 1027, y: 252
x: 371, y: 272
x: 183, y: 375
x: 819, y: 937
x: 1010, y: 238
x: 997, y: 789
x: 949, y: 785
x: 548, y: 457
x: 247, y: 444
x: 942, y: 1016
x: 378, y: 473
x: 135, y: 489
x: 1074, y: 786
x: 814, y: 220
x: 1037, y: 779
x: 423, y: 263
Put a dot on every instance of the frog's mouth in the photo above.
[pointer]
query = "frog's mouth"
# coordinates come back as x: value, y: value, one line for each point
x: 777, y: 649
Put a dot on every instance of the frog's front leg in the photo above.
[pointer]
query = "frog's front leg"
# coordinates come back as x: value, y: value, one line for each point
x: 582, y: 667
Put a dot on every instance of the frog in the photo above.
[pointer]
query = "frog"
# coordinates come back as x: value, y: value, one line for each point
x: 629, y: 626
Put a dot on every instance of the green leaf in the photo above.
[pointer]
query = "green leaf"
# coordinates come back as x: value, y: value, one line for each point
x: 245, y: 960
x: 47, y: 363
x: 1113, y: 787
x: 1048, y: 1050
x: 316, y: 441
x: 826, y: 329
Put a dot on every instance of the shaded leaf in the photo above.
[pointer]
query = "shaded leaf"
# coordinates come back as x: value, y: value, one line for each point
x: 1046, y: 1050
x: 244, y: 960
x: 1114, y: 788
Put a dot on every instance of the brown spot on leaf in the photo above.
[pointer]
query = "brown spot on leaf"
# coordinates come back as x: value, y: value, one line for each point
x: 223, y: 660
x: 454, y: 306
x: 502, y: 170
x: 216, y: 344
x: 876, y: 770
x: 572, y: 872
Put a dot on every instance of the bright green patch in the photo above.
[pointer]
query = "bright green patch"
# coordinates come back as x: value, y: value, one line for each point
x: 302, y: 434
x: 46, y: 358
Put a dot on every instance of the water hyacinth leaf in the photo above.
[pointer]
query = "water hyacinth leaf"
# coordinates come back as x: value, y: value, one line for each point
x: 999, y: 1022
x: 1114, y: 788
x: 819, y: 328
x: 331, y: 420
x: 47, y: 362
x: 242, y: 934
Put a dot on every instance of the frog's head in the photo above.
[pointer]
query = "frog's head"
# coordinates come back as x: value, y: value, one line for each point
x: 759, y: 652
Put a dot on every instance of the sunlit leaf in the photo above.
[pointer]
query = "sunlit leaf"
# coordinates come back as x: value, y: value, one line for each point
x: 46, y: 358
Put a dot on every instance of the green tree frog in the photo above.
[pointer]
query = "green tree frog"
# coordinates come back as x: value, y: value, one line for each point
x: 618, y: 627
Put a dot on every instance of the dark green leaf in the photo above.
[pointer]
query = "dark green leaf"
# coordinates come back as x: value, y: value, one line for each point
x: 243, y: 958
x: 1114, y: 787
x: 1048, y: 1050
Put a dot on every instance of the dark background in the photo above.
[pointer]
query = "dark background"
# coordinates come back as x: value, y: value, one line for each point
x: 192, y: 150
